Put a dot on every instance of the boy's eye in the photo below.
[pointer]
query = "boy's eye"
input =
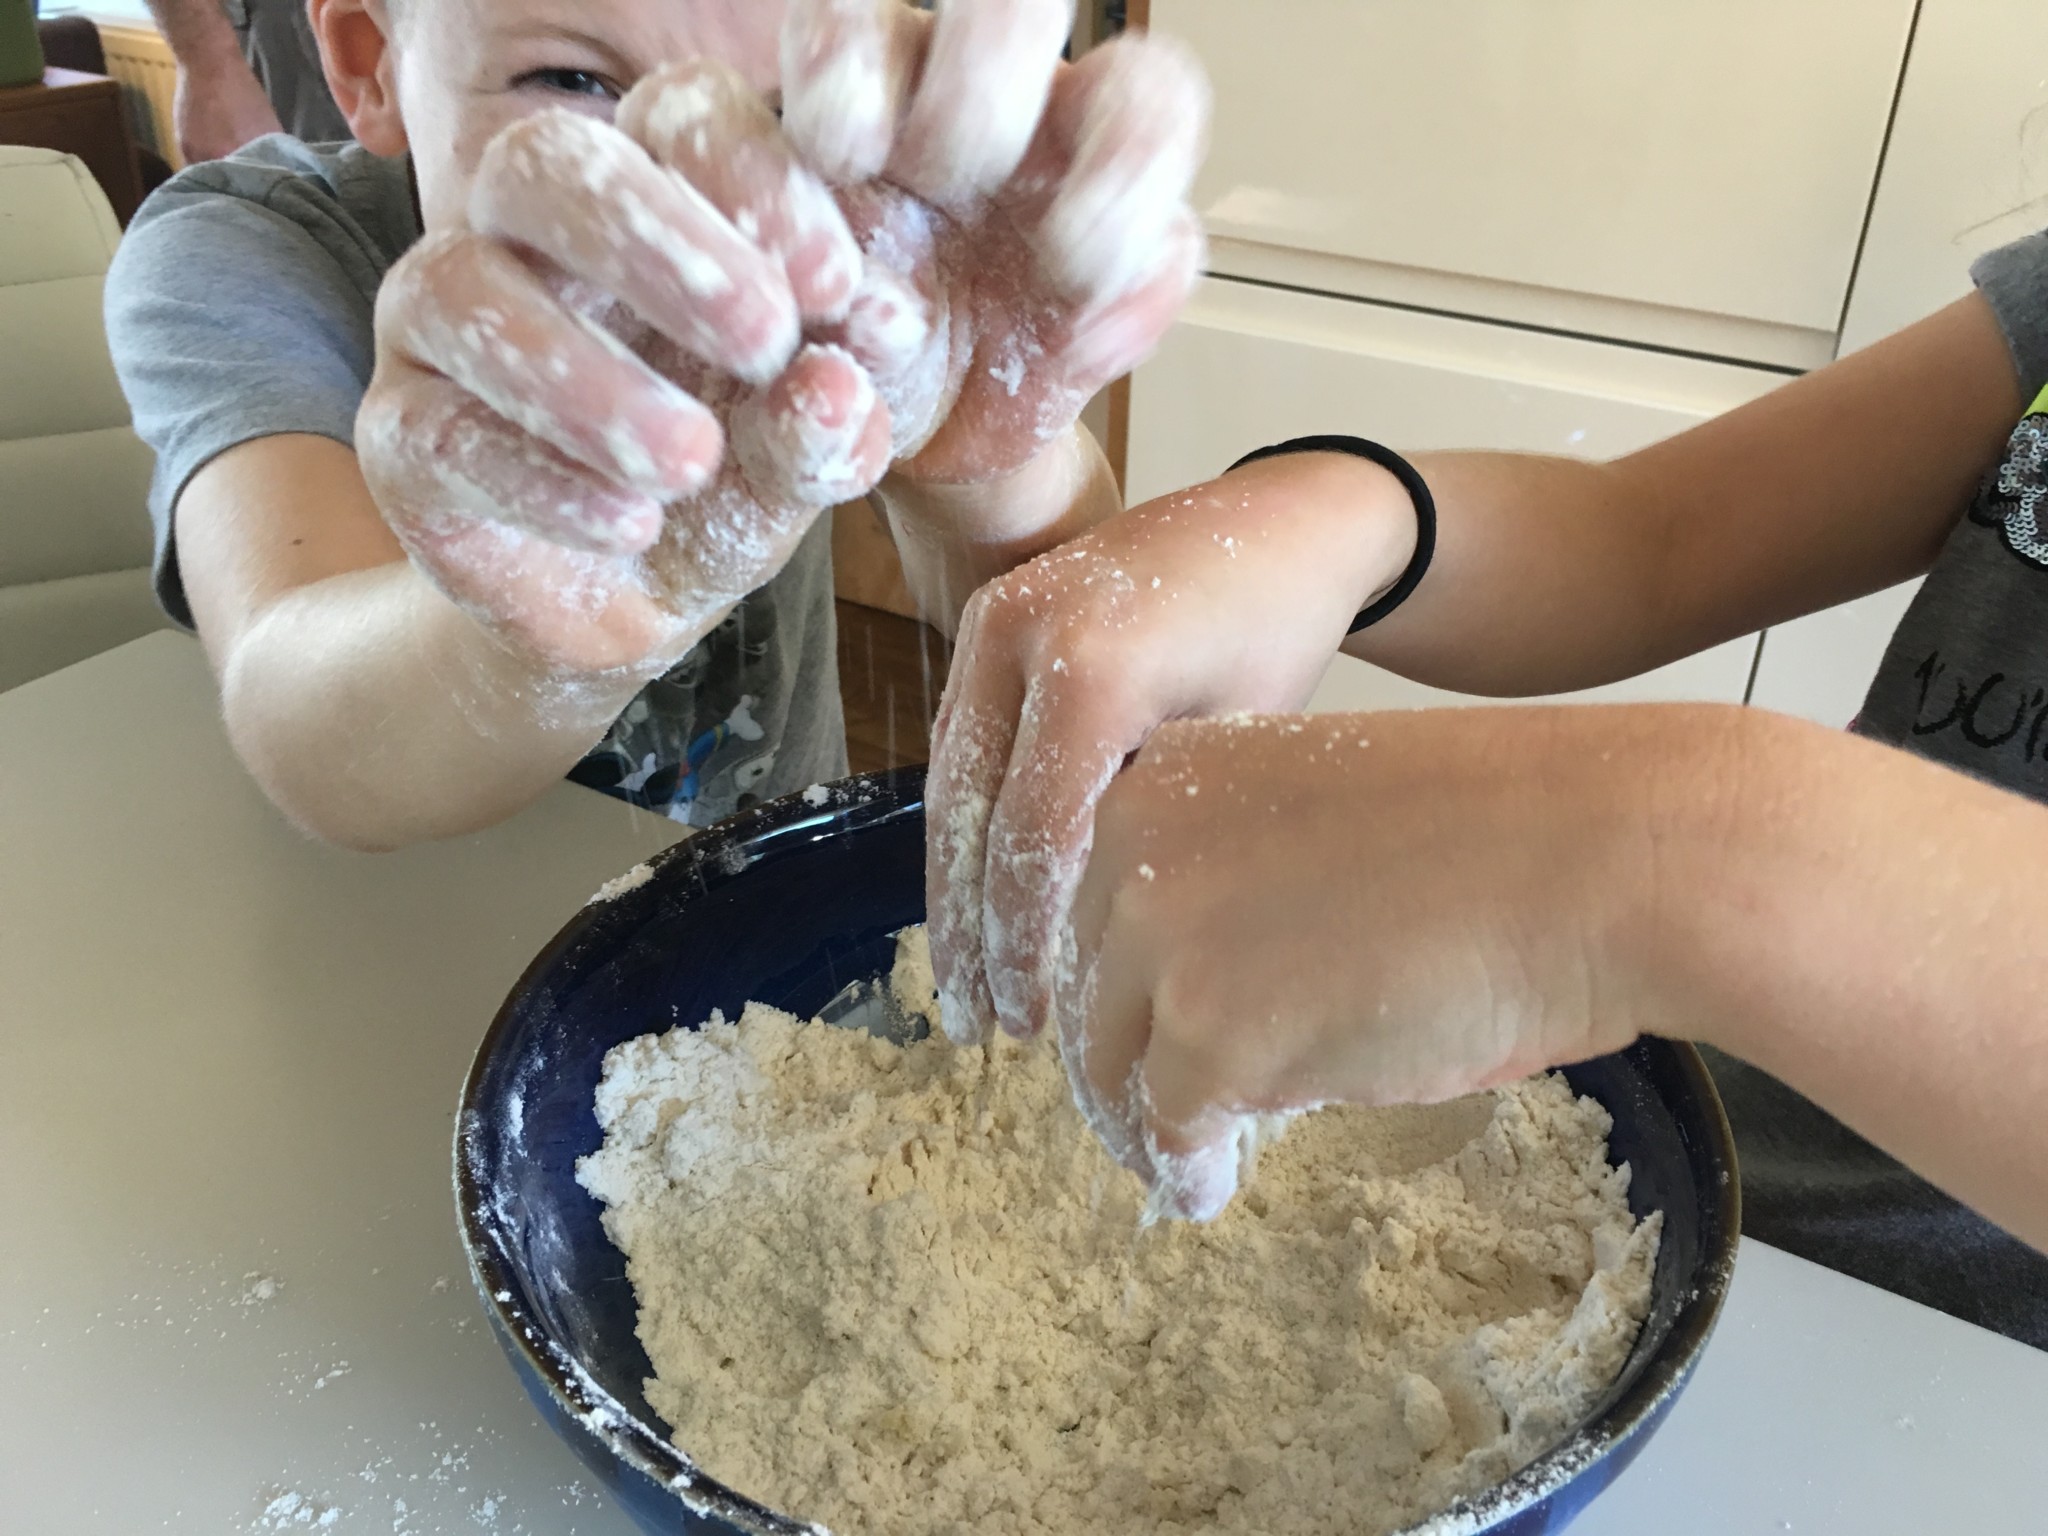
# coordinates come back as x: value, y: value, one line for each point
x: 570, y: 82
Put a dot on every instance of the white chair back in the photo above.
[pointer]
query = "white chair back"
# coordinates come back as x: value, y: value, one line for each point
x: 74, y: 478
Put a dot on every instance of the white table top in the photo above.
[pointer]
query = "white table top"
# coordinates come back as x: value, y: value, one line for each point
x: 229, y: 1270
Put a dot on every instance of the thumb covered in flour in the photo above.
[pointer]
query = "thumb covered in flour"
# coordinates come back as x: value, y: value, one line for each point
x: 1195, y: 1168
x: 1138, y: 1096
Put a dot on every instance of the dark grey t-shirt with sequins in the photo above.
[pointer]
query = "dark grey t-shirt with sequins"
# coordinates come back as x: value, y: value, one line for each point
x: 1964, y: 682
x: 240, y: 306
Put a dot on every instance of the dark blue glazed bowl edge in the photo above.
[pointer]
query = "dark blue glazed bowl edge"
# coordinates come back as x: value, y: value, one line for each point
x: 1553, y: 1490
x: 591, y: 1419
x: 1540, y: 1500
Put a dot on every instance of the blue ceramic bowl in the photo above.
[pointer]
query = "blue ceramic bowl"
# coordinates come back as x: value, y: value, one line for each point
x: 787, y: 904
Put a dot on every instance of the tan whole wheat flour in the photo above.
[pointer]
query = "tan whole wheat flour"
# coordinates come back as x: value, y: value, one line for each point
x: 902, y: 1292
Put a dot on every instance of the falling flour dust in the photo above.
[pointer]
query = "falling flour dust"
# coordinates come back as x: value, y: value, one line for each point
x: 901, y: 1290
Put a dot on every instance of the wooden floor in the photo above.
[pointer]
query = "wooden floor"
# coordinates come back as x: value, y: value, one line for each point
x: 891, y: 673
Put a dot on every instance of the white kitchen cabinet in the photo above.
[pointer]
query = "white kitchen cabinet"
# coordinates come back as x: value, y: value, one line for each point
x: 1693, y: 180
x: 1820, y: 667
x: 1252, y: 365
x: 1670, y: 161
x: 1967, y: 168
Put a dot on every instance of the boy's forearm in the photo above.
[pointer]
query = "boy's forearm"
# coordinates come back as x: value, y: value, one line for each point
x: 954, y: 538
x: 1867, y: 927
x: 376, y: 715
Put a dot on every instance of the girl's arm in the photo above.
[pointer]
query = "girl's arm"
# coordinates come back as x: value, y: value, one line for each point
x: 1551, y: 575
x: 1390, y: 908
x: 1555, y: 574
x: 1866, y: 926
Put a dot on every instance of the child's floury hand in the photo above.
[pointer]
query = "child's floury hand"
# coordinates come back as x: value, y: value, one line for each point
x: 594, y: 421
x: 1232, y: 596
x: 1287, y: 912
x: 1046, y: 233
x: 613, y: 404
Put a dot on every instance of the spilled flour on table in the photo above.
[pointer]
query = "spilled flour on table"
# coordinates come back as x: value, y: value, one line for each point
x: 901, y: 1290
x: 291, y: 1510
x: 258, y: 1289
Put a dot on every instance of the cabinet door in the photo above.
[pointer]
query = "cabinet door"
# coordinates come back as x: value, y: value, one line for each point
x: 1820, y: 667
x: 1252, y: 365
x: 1967, y: 168
x: 1714, y: 158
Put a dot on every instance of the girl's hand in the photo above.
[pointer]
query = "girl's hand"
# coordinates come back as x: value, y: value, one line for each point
x: 1287, y: 912
x: 1233, y: 596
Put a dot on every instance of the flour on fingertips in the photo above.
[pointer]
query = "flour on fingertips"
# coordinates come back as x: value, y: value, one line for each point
x: 838, y: 105
x: 911, y: 981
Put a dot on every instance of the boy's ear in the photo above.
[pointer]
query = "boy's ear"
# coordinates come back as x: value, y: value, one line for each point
x: 362, y: 70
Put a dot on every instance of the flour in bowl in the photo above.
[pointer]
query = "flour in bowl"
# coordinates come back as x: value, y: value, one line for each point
x: 902, y: 1292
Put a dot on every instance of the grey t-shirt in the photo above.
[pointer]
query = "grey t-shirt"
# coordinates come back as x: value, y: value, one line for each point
x: 240, y: 306
x: 1964, y: 682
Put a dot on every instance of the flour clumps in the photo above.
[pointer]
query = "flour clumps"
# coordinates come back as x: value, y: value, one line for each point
x: 624, y: 884
x: 902, y: 1290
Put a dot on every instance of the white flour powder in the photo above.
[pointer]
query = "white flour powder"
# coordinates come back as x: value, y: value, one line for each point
x: 903, y: 1291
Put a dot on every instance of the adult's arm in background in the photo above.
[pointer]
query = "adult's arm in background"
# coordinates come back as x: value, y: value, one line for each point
x: 220, y: 103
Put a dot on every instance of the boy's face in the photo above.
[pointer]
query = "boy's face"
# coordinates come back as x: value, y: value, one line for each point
x: 466, y: 68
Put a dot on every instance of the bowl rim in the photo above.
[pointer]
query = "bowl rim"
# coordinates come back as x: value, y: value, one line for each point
x: 642, y: 1448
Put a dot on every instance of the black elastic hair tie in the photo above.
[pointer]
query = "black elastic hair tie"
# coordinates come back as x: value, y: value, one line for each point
x: 1418, y: 492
